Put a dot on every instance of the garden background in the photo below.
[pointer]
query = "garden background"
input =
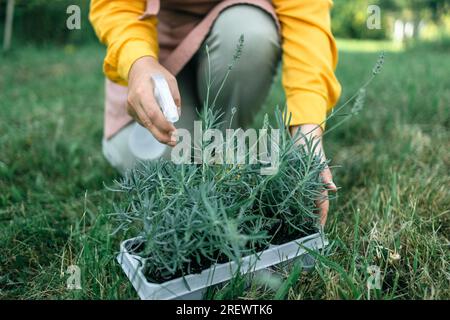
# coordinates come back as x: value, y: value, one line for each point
x: 393, y: 160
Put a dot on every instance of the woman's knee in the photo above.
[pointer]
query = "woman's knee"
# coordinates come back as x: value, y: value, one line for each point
x: 249, y: 82
x: 261, y: 47
x: 117, y: 152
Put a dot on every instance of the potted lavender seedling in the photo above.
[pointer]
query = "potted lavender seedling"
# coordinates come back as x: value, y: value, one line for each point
x: 199, y: 224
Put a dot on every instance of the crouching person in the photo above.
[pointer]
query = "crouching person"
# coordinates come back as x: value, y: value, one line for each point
x: 168, y: 37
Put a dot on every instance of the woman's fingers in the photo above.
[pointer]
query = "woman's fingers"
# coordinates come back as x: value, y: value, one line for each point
x: 327, y: 178
x: 314, y: 131
x: 148, y: 102
x: 163, y: 136
x: 323, y: 204
x: 144, y: 108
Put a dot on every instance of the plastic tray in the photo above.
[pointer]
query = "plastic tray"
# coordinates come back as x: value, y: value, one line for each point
x: 193, y: 287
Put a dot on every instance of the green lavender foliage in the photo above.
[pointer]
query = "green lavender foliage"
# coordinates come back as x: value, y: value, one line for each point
x: 191, y: 216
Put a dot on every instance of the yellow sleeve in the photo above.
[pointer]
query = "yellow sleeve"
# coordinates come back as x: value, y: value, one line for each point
x: 117, y: 24
x: 309, y: 59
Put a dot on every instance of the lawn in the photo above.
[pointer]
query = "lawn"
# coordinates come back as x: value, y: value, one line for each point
x: 392, y: 160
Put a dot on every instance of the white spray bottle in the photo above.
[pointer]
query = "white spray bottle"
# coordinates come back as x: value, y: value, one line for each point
x: 142, y: 143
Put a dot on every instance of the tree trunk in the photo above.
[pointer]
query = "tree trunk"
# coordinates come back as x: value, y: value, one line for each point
x: 8, y: 25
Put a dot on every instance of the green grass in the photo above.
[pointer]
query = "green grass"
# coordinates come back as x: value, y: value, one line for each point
x: 393, y: 169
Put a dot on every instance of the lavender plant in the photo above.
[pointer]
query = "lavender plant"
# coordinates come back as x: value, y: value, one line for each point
x: 190, y: 216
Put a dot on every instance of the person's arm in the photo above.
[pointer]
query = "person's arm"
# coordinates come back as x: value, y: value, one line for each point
x: 132, y: 57
x: 309, y: 60
x: 117, y: 25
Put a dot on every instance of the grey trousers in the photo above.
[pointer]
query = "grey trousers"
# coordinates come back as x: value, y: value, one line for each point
x: 246, y: 88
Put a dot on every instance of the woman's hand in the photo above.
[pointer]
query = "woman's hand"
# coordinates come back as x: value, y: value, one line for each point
x: 142, y: 105
x: 315, y: 132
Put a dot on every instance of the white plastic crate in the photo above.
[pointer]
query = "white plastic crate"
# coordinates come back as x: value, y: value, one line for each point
x: 194, y: 286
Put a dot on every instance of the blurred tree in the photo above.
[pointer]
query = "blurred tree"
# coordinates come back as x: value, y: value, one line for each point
x: 43, y: 21
x: 418, y: 12
x: 8, y: 25
x: 349, y: 17
x: 437, y: 8
x: 349, y: 20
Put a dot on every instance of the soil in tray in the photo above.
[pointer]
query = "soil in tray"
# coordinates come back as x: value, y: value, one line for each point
x: 136, y: 247
x: 283, y: 234
x: 286, y: 233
